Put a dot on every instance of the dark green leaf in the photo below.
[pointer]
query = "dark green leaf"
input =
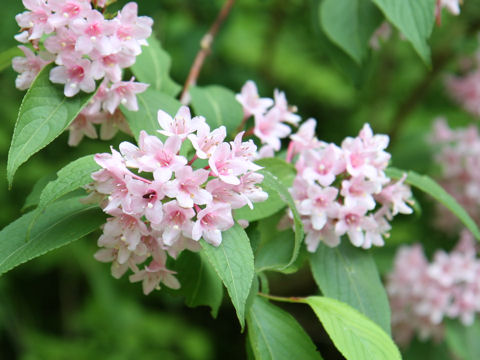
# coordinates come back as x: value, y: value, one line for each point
x: 152, y: 66
x: 350, y: 24
x: 59, y: 224
x: 71, y: 177
x: 200, y: 283
x: 275, y: 253
x: 233, y: 262
x: 44, y: 114
x: 350, y: 275
x: 463, y: 340
x: 218, y: 105
x: 354, y: 335
x: 34, y: 197
x: 275, y: 334
x: 149, y: 102
x: 429, y: 186
x: 414, y: 19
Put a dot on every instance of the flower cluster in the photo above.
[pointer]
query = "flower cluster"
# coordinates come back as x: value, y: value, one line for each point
x: 85, y: 47
x: 176, y: 204
x: 344, y: 190
x: 458, y: 154
x: 465, y: 90
x: 422, y: 294
x: 270, y: 116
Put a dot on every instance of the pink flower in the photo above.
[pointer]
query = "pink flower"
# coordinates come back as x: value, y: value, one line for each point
x: 211, y: 221
x: 75, y: 74
x: 249, y: 189
x: 224, y: 165
x: 80, y: 127
x: 269, y: 128
x: 176, y: 222
x: 181, y: 125
x: 251, y: 102
x: 186, y: 187
x: 225, y: 193
x: 205, y: 142
x: 28, y: 67
x: 67, y: 11
x: 286, y: 113
x: 124, y: 92
x: 36, y: 20
x: 154, y: 274
x: 93, y: 33
x: 319, y: 205
x: 322, y: 165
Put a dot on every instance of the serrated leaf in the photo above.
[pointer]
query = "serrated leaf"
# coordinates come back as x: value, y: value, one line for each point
x: 152, y: 66
x: 149, y: 102
x: 414, y: 19
x: 34, y: 197
x: 285, y: 173
x: 44, y: 114
x: 462, y: 340
x: 233, y: 262
x: 274, y: 254
x: 275, y: 334
x: 218, y: 105
x: 71, y: 177
x: 354, y: 335
x: 350, y: 275
x: 350, y: 24
x: 429, y: 186
x: 200, y: 283
x: 59, y: 224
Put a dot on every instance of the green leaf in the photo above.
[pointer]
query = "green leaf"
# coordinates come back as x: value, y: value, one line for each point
x: 233, y: 262
x: 274, y: 254
x: 200, y: 283
x: 414, y: 19
x: 276, y: 187
x: 350, y: 275
x: 462, y: 340
x: 285, y: 173
x: 275, y: 334
x: 218, y: 105
x: 60, y: 223
x: 34, y: 197
x: 71, y: 177
x: 429, y: 186
x: 149, y: 102
x: 44, y: 114
x: 354, y: 335
x: 152, y: 66
x: 350, y: 24
x: 7, y: 56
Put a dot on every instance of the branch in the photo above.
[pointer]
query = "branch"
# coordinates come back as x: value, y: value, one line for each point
x: 205, y: 48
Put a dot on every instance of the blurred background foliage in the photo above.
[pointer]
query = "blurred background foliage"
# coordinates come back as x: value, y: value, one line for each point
x: 66, y: 305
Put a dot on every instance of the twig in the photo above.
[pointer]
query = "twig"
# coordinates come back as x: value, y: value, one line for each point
x: 205, y: 47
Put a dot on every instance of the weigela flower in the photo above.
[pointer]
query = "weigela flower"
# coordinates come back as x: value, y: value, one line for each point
x: 86, y: 47
x: 169, y: 210
x: 422, y: 294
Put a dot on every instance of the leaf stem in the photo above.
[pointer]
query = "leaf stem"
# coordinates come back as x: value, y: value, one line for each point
x: 205, y: 48
x: 291, y: 299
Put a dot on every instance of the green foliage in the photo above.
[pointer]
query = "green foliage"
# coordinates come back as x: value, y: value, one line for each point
x: 429, y: 186
x: 350, y: 275
x: 200, y: 283
x: 152, y: 66
x: 218, y: 105
x: 355, y: 336
x: 73, y: 176
x: 233, y: 262
x: 350, y: 24
x: 6, y: 57
x: 275, y: 334
x: 59, y: 224
x: 462, y: 340
x: 149, y: 102
x: 285, y: 174
x: 275, y: 253
x: 44, y: 114
x: 34, y: 197
x: 414, y: 19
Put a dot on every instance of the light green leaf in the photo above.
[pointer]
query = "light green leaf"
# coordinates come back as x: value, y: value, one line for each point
x: 59, y: 224
x: 275, y: 334
x: 429, y: 186
x: 149, y: 102
x: 200, y: 283
x: 274, y: 254
x: 354, y: 335
x: 44, y: 114
x: 7, y: 56
x: 71, y: 177
x: 462, y: 340
x: 233, y: 262
x: 285, y: 173
x: 218, y: 105
x: 152, y: 66
x: 350, y: 275
x: 34, y: 197
x: 350, y: 24
x: 414, y: 19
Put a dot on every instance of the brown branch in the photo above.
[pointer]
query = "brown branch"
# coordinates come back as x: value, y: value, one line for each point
x: 205, y: 48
